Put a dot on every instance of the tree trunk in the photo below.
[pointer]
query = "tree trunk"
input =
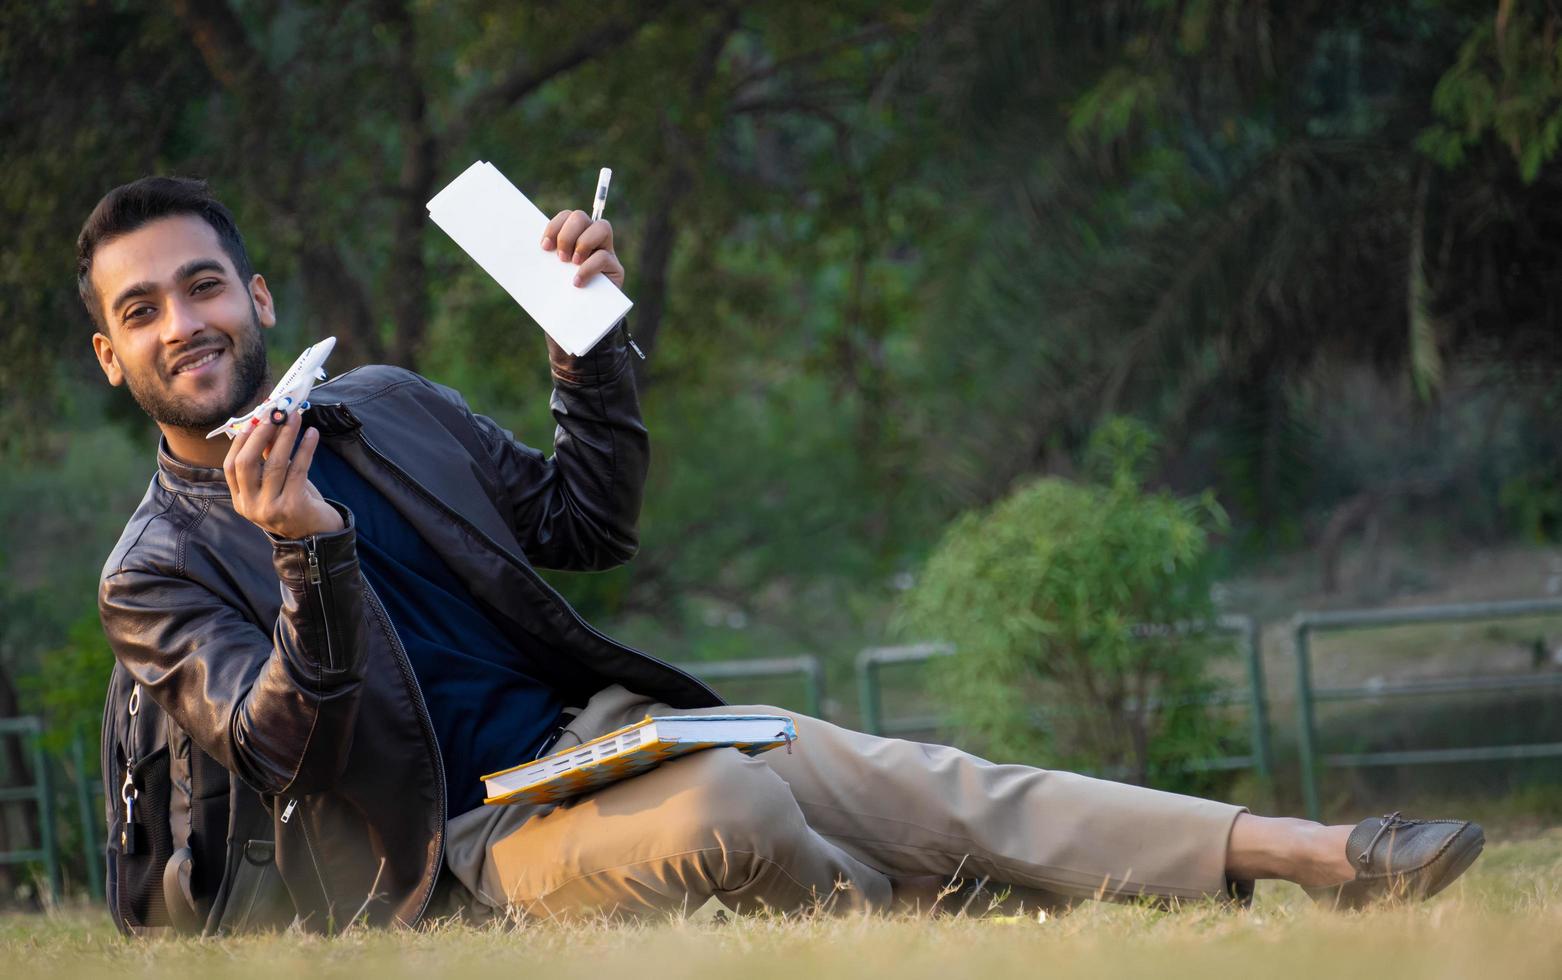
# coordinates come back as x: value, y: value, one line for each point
x: 661, y: 232
x: 656, y: 247
x: 406, y: 274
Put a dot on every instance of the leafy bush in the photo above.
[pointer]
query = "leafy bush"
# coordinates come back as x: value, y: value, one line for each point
x: 1533, y: 499
x: 1051, y: 598
x: 70, y: 682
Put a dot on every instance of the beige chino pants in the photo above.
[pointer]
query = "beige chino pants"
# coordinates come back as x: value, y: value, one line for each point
x: 830, y: 823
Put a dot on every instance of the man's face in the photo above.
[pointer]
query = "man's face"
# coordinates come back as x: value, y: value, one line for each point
x: 182, y: 330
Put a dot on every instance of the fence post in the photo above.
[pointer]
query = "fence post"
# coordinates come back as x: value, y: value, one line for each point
x: 46, y: 815
x: 1306, y: 726
x: 868, y: 698
x: 89, y: 826
x: 813, y: 698
x: 1252, y: 642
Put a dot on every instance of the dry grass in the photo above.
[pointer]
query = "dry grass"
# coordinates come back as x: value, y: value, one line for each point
x: 1504, y: 918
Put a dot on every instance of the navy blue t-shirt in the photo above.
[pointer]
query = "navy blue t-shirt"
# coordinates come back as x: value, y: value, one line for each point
x: 488, y: 708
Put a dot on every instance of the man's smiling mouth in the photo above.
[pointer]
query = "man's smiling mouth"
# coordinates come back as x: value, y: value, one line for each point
x: 198, y: 362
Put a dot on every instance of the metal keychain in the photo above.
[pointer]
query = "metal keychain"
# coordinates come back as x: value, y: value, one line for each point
x: 127, y: 789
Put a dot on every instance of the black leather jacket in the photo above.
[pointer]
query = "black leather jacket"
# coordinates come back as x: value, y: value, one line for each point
x: 277, y: 661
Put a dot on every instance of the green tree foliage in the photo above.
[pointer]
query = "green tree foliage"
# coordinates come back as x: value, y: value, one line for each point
x: 68, y: 687
x: 1073, y: 608
x: 888, y: 258
x: 1507, y: 83
x: 1211, y: 212
x: 59, y: 515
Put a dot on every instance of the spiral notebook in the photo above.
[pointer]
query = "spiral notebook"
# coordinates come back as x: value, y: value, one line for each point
x: 632, y: 750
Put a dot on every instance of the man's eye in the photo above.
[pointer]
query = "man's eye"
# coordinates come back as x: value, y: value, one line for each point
x: 138, y: 312
x: 204, y: 285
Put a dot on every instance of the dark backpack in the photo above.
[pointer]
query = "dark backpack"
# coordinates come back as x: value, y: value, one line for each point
x: 190, y: 847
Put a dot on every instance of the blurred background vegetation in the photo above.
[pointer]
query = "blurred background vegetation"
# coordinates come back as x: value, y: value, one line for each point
x: 892, y: 262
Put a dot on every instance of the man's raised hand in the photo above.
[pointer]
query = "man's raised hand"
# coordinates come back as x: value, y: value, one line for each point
x: 270, y: 483
x: 586, y: 243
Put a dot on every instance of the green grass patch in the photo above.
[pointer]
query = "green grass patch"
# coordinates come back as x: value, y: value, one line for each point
x: 1503, y: 918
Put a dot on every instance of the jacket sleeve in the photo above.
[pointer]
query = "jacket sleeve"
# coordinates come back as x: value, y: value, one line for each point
x: 578, y: 509
x: 277, y: 710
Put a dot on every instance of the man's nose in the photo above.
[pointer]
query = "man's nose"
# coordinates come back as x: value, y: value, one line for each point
x: 182, y: 322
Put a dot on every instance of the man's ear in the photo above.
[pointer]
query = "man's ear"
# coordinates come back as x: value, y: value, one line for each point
x: 260, y: 295
x: 104, y: 348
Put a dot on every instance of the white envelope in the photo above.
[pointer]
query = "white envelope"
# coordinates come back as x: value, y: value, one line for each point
x: 501, y: 230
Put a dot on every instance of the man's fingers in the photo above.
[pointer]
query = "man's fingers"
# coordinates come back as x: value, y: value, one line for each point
x: 247, y: 460
x: 298, y: 472
x: 275, y: 495
x: 604, y: 262
x: 278, y: 458
x: 597, y: 236
x: 574, y: 223
x: 550, y: 233
x: 230, y: 465
x: 257, y: 438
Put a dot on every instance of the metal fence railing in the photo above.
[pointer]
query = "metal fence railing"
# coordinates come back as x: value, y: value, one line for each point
x: 39, y: 793
x: 872, y: 661
x: 85, y: 787
x: 807, y: 667
x: 1308, y: 623
x: 870, y: 694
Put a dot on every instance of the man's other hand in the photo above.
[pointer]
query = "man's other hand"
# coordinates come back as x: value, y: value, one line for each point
x: 270, y: 483
x: 586, y: 243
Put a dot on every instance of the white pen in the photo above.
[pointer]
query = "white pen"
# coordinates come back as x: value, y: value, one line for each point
x: 603, y: 179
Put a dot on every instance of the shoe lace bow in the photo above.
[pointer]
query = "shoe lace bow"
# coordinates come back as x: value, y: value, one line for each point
x: 1389, y: 822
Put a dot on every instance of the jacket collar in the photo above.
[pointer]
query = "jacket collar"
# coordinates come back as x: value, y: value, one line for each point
x: 331, y: 418
x: 187, y: 478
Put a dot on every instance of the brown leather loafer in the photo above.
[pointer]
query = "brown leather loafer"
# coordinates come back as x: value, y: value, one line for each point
x: 1405, y: 859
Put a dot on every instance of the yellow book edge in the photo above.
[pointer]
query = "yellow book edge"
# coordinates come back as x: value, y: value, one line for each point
x: 510, y: 796
x: 573, y: 748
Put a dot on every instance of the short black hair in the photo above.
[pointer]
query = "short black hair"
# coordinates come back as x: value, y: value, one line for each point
x: 140, y: 202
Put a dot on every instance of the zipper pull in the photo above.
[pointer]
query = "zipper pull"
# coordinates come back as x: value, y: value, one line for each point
x: 313, y: 575
x: 127, y: 790
x: 128, y: 793
x: 287, y: 811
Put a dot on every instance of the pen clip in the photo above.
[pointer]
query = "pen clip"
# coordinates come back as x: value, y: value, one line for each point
x: 624, y: 326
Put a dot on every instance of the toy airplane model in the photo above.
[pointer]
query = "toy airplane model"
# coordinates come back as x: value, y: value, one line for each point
x: 290, y: 394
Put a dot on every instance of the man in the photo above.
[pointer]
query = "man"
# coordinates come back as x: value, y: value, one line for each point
x: 342, y: 612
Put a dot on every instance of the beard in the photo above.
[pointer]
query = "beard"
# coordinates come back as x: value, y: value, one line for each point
x: 153, y: 392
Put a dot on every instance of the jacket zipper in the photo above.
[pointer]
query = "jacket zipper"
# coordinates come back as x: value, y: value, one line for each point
x: 106, y: 755
x: 309, y: 848
x: 531, y: 573
x: 319, y: 587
